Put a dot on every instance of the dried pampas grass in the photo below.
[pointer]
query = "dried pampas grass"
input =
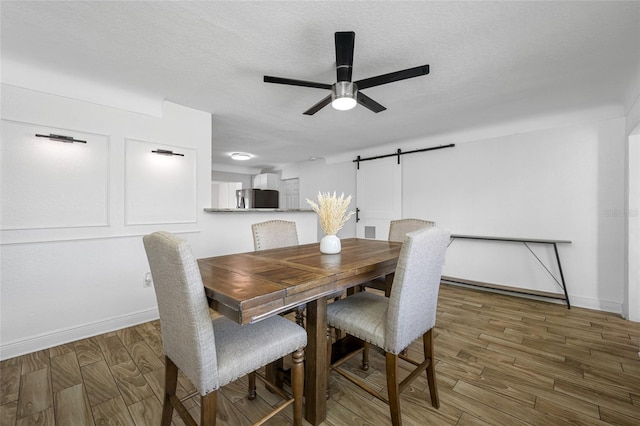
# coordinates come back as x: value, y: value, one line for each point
x: 331, y: 211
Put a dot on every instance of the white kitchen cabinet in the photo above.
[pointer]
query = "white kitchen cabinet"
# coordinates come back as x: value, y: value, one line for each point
x: 265, y: 181
x: 223, y: 194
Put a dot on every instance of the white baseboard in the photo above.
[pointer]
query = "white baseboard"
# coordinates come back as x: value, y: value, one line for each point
x: 59, y: 337
x: 596, y: 304
x: 579, y: 302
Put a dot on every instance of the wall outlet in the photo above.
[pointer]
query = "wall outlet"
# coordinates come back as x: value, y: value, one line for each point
x: 148, y: 282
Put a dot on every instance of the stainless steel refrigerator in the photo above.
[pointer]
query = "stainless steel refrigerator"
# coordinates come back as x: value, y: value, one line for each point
x: 257, y: 199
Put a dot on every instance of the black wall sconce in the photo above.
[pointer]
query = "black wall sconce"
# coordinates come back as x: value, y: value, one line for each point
x: 60, y: 138
x: 166, y: 152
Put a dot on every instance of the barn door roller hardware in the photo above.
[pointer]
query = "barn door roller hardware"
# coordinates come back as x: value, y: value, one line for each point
x: 399, y: 153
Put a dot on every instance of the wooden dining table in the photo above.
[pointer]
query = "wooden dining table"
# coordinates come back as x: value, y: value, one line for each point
x: 248, y: 287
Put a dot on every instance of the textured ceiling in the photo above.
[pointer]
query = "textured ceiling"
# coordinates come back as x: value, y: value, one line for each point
x: 490, y: 62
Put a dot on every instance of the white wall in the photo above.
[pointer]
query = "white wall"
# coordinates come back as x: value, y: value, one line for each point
x: 226, y: 233
x: 245, y: 179
x: 318, y: 176
x: 632, y: 310
x: 631, y: 307
x: 69, y: 282
x: 563, y: 182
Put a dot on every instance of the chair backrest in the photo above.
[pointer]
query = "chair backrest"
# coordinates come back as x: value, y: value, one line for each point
x: 399, y: 228
x: 187, y: 331
x: 274, y: 234
x: 414, y: 295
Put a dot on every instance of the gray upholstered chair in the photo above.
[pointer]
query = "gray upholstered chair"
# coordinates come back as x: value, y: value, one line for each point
x: 274, y: 234
x: 400, y: 227
x: 397, y: 230
x: 212, y: 353
x: 393, y: 323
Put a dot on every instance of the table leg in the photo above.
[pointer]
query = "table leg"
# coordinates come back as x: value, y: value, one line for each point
x: 388, y: 282
x: 315, y: 384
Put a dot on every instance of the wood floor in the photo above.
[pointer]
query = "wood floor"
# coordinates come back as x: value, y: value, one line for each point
x: 501, y: 360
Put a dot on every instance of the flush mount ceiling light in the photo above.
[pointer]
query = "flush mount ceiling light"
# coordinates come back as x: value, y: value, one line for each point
x: 241, y: 156
x: 343, y: 95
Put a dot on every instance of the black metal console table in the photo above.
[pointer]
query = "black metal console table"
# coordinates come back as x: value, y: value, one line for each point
x: 526, y: 241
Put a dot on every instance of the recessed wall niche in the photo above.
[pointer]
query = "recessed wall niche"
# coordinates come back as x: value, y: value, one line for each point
x: 48, y: 183
x: 159, y: 188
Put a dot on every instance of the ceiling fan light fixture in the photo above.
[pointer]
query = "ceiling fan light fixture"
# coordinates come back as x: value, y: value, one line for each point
x: 343, y: 95
x: 241, y: 156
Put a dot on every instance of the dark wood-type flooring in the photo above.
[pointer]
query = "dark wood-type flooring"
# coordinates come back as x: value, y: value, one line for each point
x: 501, y: 360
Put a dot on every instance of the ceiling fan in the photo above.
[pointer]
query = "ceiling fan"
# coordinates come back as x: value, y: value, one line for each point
x: 345, y: 93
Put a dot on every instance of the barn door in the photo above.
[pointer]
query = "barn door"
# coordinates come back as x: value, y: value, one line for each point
x: 378, y: 197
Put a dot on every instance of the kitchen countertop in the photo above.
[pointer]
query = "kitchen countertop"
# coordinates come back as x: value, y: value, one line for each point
x: 212, y: 210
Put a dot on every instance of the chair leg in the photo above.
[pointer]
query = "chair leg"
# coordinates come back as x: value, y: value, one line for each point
x: 365, y: 357
x: 427, y: 341
x: 297, y: 385
x: 252, y: 385
x: 208, y: 409
x: 170, y: 386
x: 393, y: 388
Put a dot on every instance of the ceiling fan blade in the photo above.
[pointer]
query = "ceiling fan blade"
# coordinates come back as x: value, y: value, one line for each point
x: 292, y: 82
x: 392, y: 76
x: 317, y: 107
x: 367, y: 102
x: 344, y: 54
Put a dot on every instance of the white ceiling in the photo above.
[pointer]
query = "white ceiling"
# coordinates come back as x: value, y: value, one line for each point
x: 490, y: 62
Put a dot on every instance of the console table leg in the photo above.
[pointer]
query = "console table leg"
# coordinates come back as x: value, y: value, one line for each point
x: 564, y: 286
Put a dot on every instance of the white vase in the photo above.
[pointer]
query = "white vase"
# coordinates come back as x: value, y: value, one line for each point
x: 330, y: 244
